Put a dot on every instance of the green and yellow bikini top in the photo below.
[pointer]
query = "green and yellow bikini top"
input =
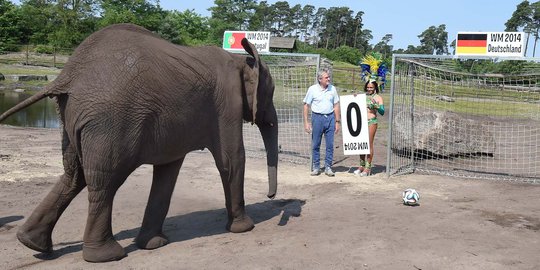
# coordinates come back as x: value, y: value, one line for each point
x: 376, y: 106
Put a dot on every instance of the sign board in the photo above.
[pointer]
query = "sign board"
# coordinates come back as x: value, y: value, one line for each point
x: 232, y: 40
x: 491, y: 43
x: 354, y: 124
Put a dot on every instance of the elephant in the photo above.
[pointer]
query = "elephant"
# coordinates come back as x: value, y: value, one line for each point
x: 127, y: 97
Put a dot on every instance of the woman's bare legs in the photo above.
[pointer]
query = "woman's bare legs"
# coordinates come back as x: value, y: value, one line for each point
x: 369, y: 161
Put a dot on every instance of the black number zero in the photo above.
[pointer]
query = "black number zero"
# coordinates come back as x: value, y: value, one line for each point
x: 354, y: 132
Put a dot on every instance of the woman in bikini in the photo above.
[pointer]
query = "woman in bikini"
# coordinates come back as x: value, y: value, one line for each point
x: 375, y: 105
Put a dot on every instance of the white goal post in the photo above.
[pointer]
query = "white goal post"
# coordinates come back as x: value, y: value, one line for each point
x: 465, y: 117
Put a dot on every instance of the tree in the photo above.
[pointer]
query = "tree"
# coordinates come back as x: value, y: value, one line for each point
x: 521, y: 18
x: 535, y: 24
x: 339, y: 27
x: 184, y: 28
x: 357, y: 27
x: 434, y: 40
x: 382, y: 47
x: 230, y: 15
x: 307, y: 20
x: 140, y: 12
x: 319, y: 24
x: 262, y: 18
x: 74, y: 20
x: 453, y: 46
x: 294, y: 21
x: 38, y: 23
x: 281, y: 16
x: 9, y: 30
x: 347, y: 54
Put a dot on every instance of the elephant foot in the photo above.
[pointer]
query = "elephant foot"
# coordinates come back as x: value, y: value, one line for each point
x: 151, y: 242
x: 105, y: 252
x: 241, y: 225
x: 35, y: 239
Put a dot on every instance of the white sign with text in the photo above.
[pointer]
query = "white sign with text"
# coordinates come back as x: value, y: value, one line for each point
x: 506, y: 44
x: 354, y: 124
x: 232, y: 40
x: 491, y: 43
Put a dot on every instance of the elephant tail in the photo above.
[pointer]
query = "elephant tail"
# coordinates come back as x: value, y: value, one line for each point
x: 25, y: 103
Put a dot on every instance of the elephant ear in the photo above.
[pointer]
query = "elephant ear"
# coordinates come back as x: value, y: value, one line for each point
x: 251, y: 77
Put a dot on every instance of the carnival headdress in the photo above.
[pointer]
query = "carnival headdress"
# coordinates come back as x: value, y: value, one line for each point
x: 373, y: 70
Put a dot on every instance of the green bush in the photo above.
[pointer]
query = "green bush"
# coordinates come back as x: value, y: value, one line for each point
x: 44, y: 49
x: 8, y: 47
x: 347, y: 54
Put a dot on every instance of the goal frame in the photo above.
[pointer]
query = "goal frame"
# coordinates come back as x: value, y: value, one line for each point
x: 411, y: 167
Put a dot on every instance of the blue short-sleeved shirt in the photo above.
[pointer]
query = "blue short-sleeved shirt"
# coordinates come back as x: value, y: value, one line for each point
x: 321, y: 100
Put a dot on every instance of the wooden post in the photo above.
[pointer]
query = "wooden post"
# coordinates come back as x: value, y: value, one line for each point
x: 27, y: 52
x: 353, y: 74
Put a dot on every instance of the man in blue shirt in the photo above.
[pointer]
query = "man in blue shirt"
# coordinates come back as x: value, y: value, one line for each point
x: 323, y: 100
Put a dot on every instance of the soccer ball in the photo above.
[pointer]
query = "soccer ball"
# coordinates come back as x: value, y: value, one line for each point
x: 410, y: 197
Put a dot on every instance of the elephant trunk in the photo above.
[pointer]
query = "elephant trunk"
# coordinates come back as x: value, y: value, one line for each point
x: 270, y: 137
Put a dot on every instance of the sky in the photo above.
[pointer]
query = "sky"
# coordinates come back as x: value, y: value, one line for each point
x: 404, y: 19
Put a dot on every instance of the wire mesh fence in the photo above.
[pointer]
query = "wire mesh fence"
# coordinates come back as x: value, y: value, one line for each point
x: 444, y: 120
x: 293, y: 74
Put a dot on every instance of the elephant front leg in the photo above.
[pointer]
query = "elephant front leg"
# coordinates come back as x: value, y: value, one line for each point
x: 232, y: 177
x: 151, y: 234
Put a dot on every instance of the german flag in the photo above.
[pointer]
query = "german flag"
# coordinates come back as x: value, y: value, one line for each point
x: 232, y: 40
x: 471, y: 43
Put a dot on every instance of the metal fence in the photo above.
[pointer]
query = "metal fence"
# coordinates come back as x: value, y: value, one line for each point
x: 36, y: 55
x: 293, y: 74
x: 449, y: 122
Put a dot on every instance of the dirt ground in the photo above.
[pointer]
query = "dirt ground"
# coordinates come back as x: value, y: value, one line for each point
x: 342, y: 222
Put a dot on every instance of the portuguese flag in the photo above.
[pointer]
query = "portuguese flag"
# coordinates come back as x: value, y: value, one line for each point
x: 232, y: 40
x: 472, y: 43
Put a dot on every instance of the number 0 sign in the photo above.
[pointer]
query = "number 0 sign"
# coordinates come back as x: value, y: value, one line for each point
x: 354, y: 125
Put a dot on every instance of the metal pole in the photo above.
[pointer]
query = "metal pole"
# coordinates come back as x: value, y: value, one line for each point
x: 390, y: 118
x: 311, y: 149
x: 411, y: 112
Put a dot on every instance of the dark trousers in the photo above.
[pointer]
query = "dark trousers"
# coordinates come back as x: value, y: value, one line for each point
x: 322, y: 125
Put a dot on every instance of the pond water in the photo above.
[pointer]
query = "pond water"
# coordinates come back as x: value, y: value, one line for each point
x: 40, y: 114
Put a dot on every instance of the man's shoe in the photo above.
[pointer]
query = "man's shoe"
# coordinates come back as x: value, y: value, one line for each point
x: 329, y: 172
x: 315, y: 172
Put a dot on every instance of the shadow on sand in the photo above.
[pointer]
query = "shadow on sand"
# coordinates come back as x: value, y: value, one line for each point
x: 195, y: 225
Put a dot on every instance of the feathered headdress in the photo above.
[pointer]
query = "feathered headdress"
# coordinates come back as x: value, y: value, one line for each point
x: 373, y: 69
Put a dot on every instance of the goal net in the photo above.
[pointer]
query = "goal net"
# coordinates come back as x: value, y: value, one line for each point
x: 472, y: 118
x: 293, y: 74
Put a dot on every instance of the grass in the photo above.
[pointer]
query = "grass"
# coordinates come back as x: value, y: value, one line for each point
x: 12, y: 83
x: 7, y: 69
x: 472, y: 101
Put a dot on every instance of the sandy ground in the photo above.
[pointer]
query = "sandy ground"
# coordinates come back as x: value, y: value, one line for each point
x: 344, y: 222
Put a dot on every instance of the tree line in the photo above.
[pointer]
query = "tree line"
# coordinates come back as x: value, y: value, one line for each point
x: 337, y: 33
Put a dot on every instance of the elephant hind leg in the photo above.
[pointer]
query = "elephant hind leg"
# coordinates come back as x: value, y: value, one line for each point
x: 99, y: 243
x: 36, y: 232
x: 151, y: 234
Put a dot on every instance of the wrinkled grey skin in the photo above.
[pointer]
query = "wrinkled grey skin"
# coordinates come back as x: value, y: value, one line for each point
x: 126, y: 98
